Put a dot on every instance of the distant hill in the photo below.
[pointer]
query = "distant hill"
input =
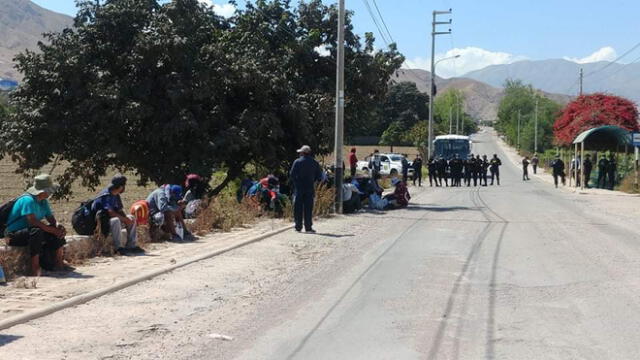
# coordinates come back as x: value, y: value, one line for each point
x: 22, y: 24
x: 561, y: 76
x: 481, y: 99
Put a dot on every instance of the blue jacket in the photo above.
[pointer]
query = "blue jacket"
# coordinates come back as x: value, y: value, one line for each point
x: 305, y: 172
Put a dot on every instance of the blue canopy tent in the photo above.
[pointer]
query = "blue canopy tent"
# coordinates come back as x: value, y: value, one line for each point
x: 601, y: 138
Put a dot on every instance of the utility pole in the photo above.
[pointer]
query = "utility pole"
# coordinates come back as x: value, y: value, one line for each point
x: 434, y: 33
x: 581, y: 80
x: 535, y: 143
x: 339, y: 109
x: 518, y: 146
x: 450, y: 120
x: 457, y: 115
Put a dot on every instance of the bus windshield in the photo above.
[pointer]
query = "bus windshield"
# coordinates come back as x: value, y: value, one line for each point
x: 447, y: 148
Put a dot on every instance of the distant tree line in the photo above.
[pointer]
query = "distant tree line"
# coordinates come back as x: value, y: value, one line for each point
x: 520, y: 102
x: 168, y: 88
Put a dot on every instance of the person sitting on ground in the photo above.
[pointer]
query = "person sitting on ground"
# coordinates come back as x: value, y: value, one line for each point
x: 165, y: 212
x: 350, y: 196
x: 26, y: 228
x: 195, y: 188
x: 400, y: 197
x: 266, y: 192
x: 110, y: 215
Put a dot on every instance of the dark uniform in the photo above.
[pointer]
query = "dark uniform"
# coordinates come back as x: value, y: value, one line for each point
x: 417, y: 171
x: 433, y: 172
x: 477, y: 171
x: 525, y: 169
x: 588, y: 167
x: 456, y: 170
x: 485, y: 168
x: 558, y: 171
x: 405, y: 170
x: 442, y: 171
x: 603, y: 163
x: 305, y: 172
x: 494, y: 167
x: 612, y: 167
x: 468, y: 170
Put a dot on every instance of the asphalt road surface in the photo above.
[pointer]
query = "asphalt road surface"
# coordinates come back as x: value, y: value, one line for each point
x: 517, y: 271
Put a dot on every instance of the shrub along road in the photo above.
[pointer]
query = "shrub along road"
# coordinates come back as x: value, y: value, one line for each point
x: 516, y: 271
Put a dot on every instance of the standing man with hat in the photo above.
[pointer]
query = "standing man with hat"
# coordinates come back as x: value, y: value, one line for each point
x: 305, y: 172
x: 110, y: 213
x: 26, y: 228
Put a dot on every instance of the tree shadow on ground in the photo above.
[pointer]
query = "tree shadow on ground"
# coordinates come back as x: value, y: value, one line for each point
x: 440, y: 208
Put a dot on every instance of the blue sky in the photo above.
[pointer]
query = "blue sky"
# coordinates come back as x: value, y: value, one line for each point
x: 489, y: 32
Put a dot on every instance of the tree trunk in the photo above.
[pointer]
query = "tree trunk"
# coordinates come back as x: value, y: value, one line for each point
x: 232, y: 174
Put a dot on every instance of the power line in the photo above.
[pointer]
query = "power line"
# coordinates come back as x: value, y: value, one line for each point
x: 375, y: 3
x: 375, y: 21
x: 614, y: 61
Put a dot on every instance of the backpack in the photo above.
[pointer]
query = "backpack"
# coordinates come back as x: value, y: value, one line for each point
x: 84, y: 219
x: 5, y: 211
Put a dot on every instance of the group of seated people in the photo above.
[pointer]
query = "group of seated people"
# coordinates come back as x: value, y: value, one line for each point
x: 31, y: 222
x: 357, y: 190
x: 266, y: 193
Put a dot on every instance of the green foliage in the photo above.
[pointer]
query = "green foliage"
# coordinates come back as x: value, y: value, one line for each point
x: 447, y: 108
x: 168, y: 88
x: 520, y: 98
x: 404, y: 107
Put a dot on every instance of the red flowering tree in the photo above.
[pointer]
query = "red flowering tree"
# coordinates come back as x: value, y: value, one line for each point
x: 589, y: 111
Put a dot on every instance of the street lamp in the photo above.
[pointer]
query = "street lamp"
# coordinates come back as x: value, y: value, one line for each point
x: 432, y: 96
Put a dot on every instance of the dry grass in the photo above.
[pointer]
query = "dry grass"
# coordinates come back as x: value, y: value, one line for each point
x: 628, y: 184
x: 224, y: 213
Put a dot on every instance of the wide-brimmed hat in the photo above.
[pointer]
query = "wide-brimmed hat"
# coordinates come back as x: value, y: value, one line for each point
x: 41, y: 184
x: 305, y: 149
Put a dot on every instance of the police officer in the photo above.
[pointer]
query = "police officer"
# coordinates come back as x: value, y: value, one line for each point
x: 587, y: 166
x: 405, y: 169
x: 494, y: 167
x: 456, y: 170
x: 558, y: 170
x: 417, y: 171
x: 477, y: 170
x: 305, y: 172
x: 433, y: 172
x: 485, y: 168
x: 442, y: 171
x: 612, y: 167
x: 603, y: 164
x: 468, y: 170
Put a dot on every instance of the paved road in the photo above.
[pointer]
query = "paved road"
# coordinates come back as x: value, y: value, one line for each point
x: 519, y: 271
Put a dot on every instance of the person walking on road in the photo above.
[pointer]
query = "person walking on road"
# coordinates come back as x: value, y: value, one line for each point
x: 612, y: 168
x: 353, y: 162
x: 603, y: 164
x: 305, y: 172
x: 587, y: 166
x: 534, y: 163
x: 558, y: 170
x: 431, y: 167
x: 417, y: 171
x: 525, y: 168
x: 494, y: 167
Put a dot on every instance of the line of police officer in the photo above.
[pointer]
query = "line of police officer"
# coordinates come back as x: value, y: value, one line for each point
x: 471, y: 170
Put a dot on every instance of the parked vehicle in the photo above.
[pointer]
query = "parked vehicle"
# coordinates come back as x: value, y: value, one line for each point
x: 446, y: 146
x: 391, y: 164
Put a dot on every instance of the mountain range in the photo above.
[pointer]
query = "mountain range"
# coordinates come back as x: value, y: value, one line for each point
x: 22, y: 24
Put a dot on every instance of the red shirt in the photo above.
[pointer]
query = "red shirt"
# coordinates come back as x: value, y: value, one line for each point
x: 353, y: 160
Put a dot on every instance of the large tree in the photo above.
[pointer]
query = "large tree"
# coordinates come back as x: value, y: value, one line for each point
x: 168, y: 88
x: 589, y: 111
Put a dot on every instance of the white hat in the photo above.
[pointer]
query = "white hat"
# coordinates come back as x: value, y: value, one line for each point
x: 305, y: 149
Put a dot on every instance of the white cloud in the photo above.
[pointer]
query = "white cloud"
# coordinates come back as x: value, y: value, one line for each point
x: 471, y: 58
x: 606, y: 53
x: 225, y: 10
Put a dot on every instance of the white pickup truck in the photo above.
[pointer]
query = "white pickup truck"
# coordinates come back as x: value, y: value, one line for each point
x: 391, y: 164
